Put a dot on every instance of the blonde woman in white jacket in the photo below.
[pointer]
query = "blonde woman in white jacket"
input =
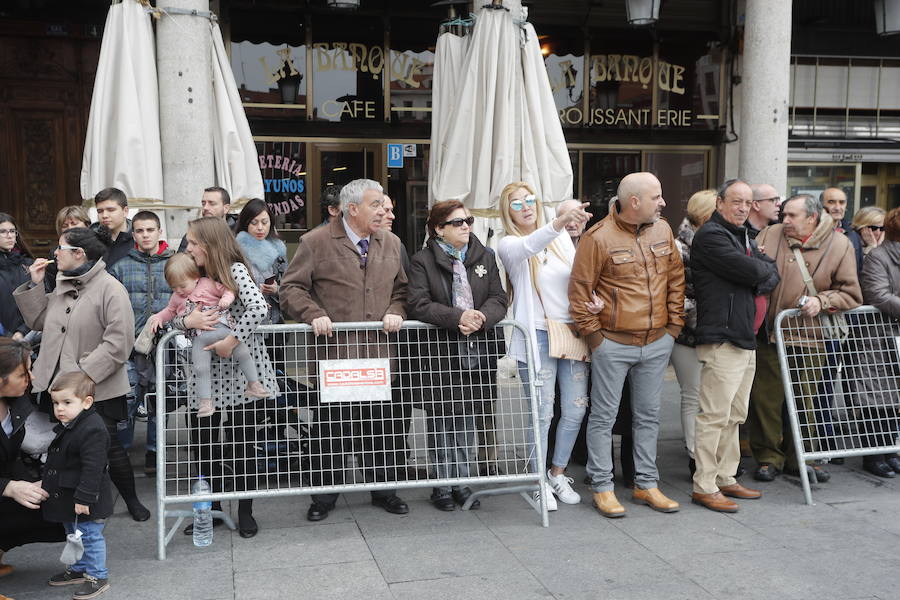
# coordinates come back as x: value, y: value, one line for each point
x: 538, y: 259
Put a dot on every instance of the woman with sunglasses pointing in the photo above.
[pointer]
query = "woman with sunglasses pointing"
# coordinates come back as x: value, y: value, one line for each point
x: 538, y: 259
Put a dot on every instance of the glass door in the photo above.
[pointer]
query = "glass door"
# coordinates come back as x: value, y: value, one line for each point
x: 337, y: 164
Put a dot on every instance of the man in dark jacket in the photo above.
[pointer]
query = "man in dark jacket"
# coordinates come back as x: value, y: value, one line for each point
x: 76, y: 478
x: 112, y: 215
x: 731, y: 278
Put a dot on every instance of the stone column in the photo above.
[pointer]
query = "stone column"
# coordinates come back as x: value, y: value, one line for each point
x: 184, y: 67
x: 765, y: 89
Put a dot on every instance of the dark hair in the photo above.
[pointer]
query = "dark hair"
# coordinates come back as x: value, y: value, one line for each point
x: 146, y: 215
x: 111, y: 193
x: 439, y: 213
x: 223, y: 194
x: 251, y: 210
x: 892, y: 226
x: 94, y: 243
x: 723, y: 189
x: 13, y: 354
x: 76, y: 382
x: 20, y: 243
x: 331, y: 196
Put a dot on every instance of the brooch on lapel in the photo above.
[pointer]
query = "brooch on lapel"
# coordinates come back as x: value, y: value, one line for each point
x: 480, y: 271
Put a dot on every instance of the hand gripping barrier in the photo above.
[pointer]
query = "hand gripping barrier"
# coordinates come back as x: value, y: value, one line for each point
x: 360, y: 410
x: 841, y: 377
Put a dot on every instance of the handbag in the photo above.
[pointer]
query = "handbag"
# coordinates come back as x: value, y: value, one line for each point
x: 144, y: 342
x: 565, y: 343
x: 835, y: 326
x: 474, y: 353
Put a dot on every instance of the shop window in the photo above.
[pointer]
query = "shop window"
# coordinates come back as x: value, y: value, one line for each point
x: 268, y: 74
x: 283, y: 166
x: 348, y: 66
x: 601, y: 175
x: 564, y: 59
x: 620, y: 84
x: 681, y: 175
x: 814, y: 178
x: 688, y: 83
x: 412, y: 68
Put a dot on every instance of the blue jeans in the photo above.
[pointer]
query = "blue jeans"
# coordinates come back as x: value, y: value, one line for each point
x: 139, y: 379
x: 93, y: 561
x: 572, y: 376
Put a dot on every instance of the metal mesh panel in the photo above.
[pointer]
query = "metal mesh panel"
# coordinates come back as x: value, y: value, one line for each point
x: 841, y: 377
x: 443, y: 418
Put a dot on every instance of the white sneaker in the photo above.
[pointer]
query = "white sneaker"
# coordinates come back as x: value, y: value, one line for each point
x: 562, y: 487
x: 551, y: 501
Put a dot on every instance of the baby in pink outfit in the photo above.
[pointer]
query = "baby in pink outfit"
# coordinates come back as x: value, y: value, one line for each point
x: 189, y: 291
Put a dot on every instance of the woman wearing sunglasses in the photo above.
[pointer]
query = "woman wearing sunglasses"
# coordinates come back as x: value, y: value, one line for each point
x: 869, y: 224
x: 454, y: 283
x: 538, y: 259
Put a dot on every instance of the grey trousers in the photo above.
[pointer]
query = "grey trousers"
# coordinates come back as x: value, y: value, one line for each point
x: 451, y: 444
x: 202, y: 359
x: 610, y: 363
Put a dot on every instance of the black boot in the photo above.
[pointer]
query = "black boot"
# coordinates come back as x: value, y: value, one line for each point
x: 877, y: 466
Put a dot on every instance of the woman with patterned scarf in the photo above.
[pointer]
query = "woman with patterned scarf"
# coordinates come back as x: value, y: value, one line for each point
x: 454, y: 283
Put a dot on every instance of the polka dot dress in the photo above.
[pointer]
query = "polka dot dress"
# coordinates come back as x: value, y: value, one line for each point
x: 248, y: 310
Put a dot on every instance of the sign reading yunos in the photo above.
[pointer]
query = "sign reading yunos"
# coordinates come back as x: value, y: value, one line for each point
x: 355, y: 380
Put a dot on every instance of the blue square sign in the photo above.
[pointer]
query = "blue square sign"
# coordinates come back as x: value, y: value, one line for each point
x: 395, y: 156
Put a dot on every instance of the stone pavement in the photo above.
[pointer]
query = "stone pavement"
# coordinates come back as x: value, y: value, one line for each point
x: 845, y: 547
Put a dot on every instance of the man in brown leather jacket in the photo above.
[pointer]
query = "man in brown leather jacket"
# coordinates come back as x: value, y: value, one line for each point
x: 630, y: 261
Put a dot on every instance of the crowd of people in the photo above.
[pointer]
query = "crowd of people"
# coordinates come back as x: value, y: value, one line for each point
x: 604, y: 311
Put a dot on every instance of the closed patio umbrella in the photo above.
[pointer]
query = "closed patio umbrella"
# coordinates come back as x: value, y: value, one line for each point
x: 502, y: 125
x: 121, y: 146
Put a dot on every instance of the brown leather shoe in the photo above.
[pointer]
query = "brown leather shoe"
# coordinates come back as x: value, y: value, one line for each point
x: 655, y: 499
x: 736, y: 490
x: 716, y: 502
x: 608, y: 505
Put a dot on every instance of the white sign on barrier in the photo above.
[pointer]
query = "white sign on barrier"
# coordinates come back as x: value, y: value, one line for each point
x: 355, y: 380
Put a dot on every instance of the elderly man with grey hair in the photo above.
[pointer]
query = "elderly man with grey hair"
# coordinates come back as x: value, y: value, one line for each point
x: 351, y: 270
x: 805, y: 245
x: 573, y: 228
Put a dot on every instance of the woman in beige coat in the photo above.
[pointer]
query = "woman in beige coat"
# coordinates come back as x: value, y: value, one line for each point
x: 88, y: 325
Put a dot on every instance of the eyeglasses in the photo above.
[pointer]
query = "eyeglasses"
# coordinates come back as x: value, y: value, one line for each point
x: 8, y: 232
x: 518, y: 205
x: 872, y: 228
x: 72, y: 248
x: 775, y: 199
x: 459, y: 222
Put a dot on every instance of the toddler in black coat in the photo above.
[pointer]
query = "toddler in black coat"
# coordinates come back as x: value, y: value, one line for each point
x: 77, y: 479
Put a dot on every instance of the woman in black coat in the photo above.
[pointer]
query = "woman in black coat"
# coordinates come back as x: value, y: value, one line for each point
x: 21, y: 494
x: 15, y: 257
x: 454, y: 283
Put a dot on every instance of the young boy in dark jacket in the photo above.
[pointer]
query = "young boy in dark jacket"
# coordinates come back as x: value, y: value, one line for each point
x: 77, y: 479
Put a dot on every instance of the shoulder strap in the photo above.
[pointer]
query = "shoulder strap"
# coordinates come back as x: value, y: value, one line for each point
x: 807, y: 279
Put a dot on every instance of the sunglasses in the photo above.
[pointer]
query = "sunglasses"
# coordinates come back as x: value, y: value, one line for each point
x: 518, y: 205
x: 459, y: 222
x: 874, y: 228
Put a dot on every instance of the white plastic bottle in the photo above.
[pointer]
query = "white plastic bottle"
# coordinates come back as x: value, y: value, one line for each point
x: 203, y: 525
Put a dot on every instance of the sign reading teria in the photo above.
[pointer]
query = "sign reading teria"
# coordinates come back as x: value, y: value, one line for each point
x: 355, y: 380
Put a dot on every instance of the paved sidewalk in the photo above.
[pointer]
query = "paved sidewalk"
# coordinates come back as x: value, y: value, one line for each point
x: 845, y: 547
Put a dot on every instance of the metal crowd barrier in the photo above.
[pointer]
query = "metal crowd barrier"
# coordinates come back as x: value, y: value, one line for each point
x: 361, y: 410
x: 841, y: 380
